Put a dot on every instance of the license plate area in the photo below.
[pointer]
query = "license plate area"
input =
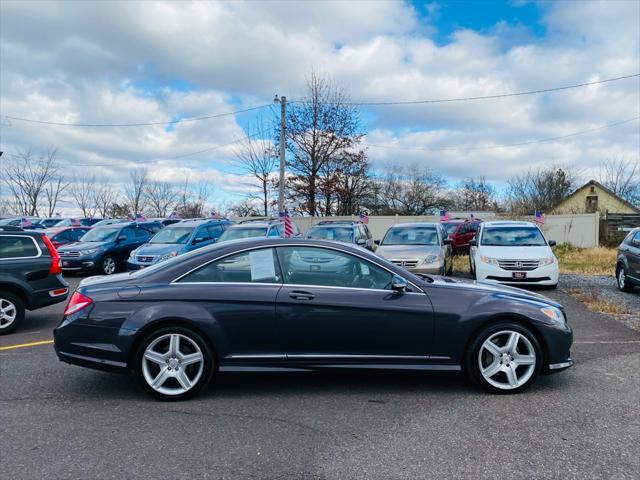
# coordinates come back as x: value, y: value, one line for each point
x: 519, y: 275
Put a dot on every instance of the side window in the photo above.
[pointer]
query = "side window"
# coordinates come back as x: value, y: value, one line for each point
x: 255, y: 266
x: 202, y: 233
x: 17, y: 247
x: 464, y: 228
x: 66, y: 236
x: 74, y: 235
x: 215, y: 231
x: 141, y: 234
x: 331, y: 268
x: 636, y: 240
x: 129, y: 233
x: 275, y: 231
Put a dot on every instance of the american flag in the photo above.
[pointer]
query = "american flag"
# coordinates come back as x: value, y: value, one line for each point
x: 174, y: 216
x: 444, y: 215
x: 288, y: 226
x: 471, y: 217
x: 538, y: 218
x: 363, y: 217
x: 214, y: 214
x: 75, y: 222
x: 140, y: 218
x: 25, y: 222
x: 131, y: 218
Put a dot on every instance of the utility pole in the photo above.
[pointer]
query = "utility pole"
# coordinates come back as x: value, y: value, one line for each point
x: 283, y: 120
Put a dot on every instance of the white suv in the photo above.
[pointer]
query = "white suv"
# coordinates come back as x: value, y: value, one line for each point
x: 515, y: 253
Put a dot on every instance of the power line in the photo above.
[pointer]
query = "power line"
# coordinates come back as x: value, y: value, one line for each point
x: 484, y: 97
x: 169, y: 122
x: 489, y: 147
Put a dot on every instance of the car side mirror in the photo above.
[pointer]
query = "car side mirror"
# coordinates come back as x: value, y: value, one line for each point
x: 361, y: 241
x: 121, y: 238
x: 473, y: 243
x: 377, y: 242
x: 398, y: 284
x: 198, y: 240
x: 552, y: 243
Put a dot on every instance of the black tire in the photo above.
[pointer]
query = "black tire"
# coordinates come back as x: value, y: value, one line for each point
x: 108, y: 265
x: 208, y: 363
x: 14, y: 307
x: 622, y: 280
x: 450, y: 270
x: 472, y: 270
x: 472, y: 357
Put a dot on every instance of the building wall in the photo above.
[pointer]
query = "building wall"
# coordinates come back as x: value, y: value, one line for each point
x: 578, y: 201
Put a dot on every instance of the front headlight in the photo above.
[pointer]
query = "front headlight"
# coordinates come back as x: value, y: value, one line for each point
x: 88, y: 252
x: 546, y: 261
x: 489, y: 260
x: 132, y: 254
x: 430, y: 259
x: 168, y: 256
x: 554, y: 314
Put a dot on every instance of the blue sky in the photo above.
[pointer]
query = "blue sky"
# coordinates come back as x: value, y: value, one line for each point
x: 136, y: 62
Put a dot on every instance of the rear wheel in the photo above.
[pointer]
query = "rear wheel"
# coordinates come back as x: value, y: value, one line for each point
x: 11, y: 312
x: 504, y: 358
x: 173, y: 363
x: 624, y: 285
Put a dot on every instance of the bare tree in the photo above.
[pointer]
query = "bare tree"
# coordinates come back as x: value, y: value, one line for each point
x: 541, y: 189
x: 83, y: 191
x: 104, y: 197
x: 134, y: 191
x: 245, y: 208
x: 623, y: 178
x: 192, y: 198
x: 161, y: 198
x: 52, y: 192
x: 27, y: 177
x: 474, y: 194
x: 256, y: 157
x: 319, y: 128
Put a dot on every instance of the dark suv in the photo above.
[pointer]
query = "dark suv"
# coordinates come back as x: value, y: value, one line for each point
x: 30, y: 275
x: 628, y: 263
x: 106, y: 249
x: 343, y: 231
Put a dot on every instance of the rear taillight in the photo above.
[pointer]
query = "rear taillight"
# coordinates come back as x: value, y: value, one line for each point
x: 76, y: 303
x: 55, y: 267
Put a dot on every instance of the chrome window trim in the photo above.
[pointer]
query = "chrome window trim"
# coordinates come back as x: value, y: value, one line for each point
x: 22, y: 258
x: 556, y: 366
x: 329, y: 355
x: 419, y: 290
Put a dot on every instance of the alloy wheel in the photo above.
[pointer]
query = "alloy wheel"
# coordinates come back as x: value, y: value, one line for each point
x: 622, y: 279
x: 172, y: 364
x: 507, y: 359
x: 109, y: 266
x: 8, y: 313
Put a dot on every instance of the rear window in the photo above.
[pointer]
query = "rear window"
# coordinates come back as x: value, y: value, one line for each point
x: 17, y: 247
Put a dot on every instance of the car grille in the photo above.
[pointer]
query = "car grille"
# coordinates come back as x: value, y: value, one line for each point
x: 405, y: 263
x: 145, y: 259
x: 69, y: 254
x: 520, y: 265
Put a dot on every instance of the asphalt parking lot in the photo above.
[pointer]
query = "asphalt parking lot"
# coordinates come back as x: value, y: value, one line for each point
x: 60, y: 421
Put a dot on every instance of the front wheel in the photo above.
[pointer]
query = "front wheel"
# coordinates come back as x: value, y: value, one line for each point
x: 108, y: 265
x: 11, y: 312
x: 621, y: 279
x: 504, y: 358
x: 173, y: 363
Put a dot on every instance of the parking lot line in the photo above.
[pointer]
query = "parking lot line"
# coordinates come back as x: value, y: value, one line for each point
x: 24, y: 345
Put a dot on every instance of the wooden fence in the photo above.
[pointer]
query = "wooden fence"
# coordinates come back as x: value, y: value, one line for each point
x: 615, y: 226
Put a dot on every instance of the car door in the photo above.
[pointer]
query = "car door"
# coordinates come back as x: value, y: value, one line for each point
x: 239, y: 291
x: 131, y: 238
x: 633, y: 256
x: 336, y: 305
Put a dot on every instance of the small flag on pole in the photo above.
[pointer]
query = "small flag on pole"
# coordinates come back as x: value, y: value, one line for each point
x: 130, y: 217
x: 288, y: 226
x: 75, y: 222
x: 140, y: 218
x: 444, y: 215
x: 25, y: 222
x: 214, y: 214
x: 174, y: 216
x: 472, y: 217
x: 539, y: 218
x: 363, y: 217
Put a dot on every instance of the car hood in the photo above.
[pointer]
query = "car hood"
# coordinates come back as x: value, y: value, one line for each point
x: 516, y: 253
x: 491, y: 288
x: 155, y: 249
x: 83, y: 246
x: 407, y: 252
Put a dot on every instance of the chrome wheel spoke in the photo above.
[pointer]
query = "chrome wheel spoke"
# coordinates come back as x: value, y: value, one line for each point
x: 525, y: 359
x: 492, y: 369
x: 174, y: 345
x: 190, y: 359
x: 512, y: 342
x: 161, y: 378
x: 155, y: 357
x: 510, y: 366
x: 492, y: 348
x: 512, y: 377
x: 183, y: 379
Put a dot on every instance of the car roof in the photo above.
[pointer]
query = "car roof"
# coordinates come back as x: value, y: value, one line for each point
x: 416, y: 224
x: 255, y: 223
x: 508, y: 223
x: 331, y: 223
x: 197, y: 223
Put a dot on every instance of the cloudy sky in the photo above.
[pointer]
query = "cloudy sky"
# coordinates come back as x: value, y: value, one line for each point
x: 140, y: 62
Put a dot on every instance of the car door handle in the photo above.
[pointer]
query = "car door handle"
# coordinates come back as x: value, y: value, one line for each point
x: 299, y: 295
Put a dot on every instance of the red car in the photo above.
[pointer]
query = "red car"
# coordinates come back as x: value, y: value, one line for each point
x: 64, y: 235
x: 461, y: 232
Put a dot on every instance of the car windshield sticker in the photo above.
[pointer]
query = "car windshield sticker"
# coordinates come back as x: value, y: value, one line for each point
x: 262, y: 265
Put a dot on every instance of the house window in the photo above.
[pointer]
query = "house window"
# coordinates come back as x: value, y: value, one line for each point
x: 592, y: 204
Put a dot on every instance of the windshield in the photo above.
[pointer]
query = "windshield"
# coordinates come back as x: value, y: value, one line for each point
x: 108, y: 221
x: 173, y: 235
x: 338, y: 234
x: 513, y: 237
x: 411, y: 236
x: 243, y: 232
x: 450, y: 227
x: 103, y: 234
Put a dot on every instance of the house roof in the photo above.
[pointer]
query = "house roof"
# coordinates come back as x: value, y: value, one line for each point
x: 607, y: 190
